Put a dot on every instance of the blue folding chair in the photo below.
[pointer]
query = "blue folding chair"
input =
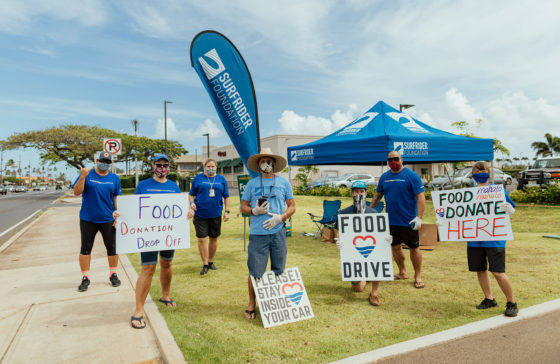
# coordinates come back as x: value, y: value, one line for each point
x: 379, y: 207
x: 330, y: 214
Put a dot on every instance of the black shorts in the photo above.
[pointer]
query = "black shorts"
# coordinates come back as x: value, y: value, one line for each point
x: 404, y: 234
x: 207, y: 227
x: 89, y: 229
x: 478, y: 256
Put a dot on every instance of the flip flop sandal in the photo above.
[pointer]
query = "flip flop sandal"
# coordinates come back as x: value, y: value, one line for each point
x: 139, y: 319
x: 419, y: 284
x: 397, y: 277
x: 250, y: 314
x: 168, y: 303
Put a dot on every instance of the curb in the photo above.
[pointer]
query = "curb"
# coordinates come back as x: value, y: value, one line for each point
x: 7, y: 244
x: 452, y: 334
x: 166, y: 342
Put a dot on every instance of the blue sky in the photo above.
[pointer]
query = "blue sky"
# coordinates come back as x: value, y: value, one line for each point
x: 316, y: 65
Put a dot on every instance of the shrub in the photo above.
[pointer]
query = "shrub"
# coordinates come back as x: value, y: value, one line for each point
x: 535, y: 194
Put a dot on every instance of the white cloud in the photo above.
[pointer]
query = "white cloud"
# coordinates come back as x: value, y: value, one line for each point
x: 461, y: 107
x: 292, y: 123
x: 187, y: 136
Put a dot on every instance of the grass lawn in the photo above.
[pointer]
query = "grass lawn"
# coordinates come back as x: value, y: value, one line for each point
x: 209, y: 324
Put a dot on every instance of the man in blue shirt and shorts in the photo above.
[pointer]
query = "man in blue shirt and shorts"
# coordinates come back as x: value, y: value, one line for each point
x: 264, y: 199
x: 99, y: 189
x: 404, y: 197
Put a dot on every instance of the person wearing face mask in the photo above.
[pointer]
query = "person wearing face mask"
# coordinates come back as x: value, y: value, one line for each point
x: 404, y: 197
x: 157, y: 184
x: 209, y: 193
x: 99, y: 189
x: 265, y: 198
x: 359, y: 195
x: 491, y: 255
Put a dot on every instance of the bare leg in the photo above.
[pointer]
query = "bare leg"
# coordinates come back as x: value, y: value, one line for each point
x: 203, y: 250
x: 212, y: 247
x: 416, y: 258
x: 484, y: 281
x: 142, y: 288
x: 374, y: 288
x: 505, y: 285
x: 165, y: 275
x: 398, y: 255
x: 85, y: 261
x: 252, y: 305
x: 113, y: 260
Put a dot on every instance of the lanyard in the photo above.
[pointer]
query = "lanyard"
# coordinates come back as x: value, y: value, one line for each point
x: 211, y: 183
x: 271, y: 187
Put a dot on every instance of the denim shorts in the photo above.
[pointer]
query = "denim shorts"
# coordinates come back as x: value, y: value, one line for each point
x: 150, y: 258
x: 261, y: 246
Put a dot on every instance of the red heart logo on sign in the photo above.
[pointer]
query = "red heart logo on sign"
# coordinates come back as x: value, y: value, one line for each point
x: 292, y: 288
x: 364, y: 240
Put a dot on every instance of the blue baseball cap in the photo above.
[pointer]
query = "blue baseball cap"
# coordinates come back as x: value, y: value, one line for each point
x: 159, y: 156
x: 359, y: 184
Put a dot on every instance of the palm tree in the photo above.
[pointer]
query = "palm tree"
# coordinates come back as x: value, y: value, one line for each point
x: 551, y: 146
x: 526, y: 160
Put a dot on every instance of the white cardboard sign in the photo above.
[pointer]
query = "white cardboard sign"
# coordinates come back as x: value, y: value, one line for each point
x: 152, y: 222
x: 365, y: 254
x: 282, y: 299
x: 471, y: 214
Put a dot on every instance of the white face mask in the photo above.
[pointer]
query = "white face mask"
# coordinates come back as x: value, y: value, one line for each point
x: 267, y: 167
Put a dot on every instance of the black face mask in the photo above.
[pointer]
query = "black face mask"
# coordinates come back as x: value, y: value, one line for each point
x: 360, y: 204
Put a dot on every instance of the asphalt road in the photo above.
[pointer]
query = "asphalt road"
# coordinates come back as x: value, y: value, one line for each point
x: 15, y: 207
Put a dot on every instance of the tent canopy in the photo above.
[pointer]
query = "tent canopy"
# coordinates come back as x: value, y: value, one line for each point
x: 368, y: 139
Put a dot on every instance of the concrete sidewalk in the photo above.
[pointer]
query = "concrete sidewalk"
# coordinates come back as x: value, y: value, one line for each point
x: 43, y: 318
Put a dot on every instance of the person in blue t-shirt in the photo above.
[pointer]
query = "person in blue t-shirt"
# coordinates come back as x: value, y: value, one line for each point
x: 99, y: 189
x: 491, y: 255
x: 265, y: 198
x: 405, y: 202
x: 209, y: 193
x: 157, y: 184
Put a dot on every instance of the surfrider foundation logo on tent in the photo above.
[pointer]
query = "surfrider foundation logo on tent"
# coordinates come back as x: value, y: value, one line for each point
x: 358, y: 125
x: 210, y: 71
x: 410, y: 124
x: 411, y: 148
x: 301, y: 155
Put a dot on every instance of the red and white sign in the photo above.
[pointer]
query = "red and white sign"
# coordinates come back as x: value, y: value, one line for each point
x: 112, y: 145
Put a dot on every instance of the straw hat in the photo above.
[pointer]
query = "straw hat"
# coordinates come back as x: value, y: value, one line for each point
x: 253, y: 162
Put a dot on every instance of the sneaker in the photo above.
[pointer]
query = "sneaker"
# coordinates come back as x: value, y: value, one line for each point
x: 511, y: 309
x: 204, y: 270
x: 212, y: 266
x: 84, y: 285
x: 486, y: 303
x: 115, y: 281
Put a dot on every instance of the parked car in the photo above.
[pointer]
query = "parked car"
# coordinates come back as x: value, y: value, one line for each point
x: 10, y: 188
x: 36, y: 188
x: 3, y: 190
x: 21, y: 189
x: 319, y: 182
x: 346, y: 179
x: 463, y: 178
x: 543, y: 171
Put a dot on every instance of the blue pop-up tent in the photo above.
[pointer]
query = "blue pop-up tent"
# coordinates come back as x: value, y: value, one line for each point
x: 368, y: 139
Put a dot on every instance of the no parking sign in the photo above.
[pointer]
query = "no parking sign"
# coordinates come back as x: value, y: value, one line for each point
x: 112, y: 145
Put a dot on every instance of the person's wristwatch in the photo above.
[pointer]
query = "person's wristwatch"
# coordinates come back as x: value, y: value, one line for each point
x: 227, y: 211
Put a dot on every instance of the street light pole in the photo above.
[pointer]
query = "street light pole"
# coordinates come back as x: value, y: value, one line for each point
x: 404, y: 106
x: 165, y: 102
x: 135, y: 123
x: 207, y: 135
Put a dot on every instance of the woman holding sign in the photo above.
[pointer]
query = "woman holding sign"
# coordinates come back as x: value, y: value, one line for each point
x: 481, y: 254
x: 209, y: 192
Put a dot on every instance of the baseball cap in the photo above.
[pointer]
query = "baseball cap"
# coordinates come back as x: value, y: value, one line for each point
x: 359, y: 184
x: 159, y: 156
x: 105, y: 156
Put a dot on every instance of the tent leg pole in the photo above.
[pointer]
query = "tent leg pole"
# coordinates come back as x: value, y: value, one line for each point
x: 492, y: 170
x: 244, y: 232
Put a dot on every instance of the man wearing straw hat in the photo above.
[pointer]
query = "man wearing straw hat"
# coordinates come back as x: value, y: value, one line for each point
x: 265, y: 199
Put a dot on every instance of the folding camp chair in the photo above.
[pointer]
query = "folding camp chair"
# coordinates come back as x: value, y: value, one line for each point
x: 379, y: 207
x: 330, y: 214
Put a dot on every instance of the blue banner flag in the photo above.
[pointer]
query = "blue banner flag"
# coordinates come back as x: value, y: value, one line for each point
x: 225, y: 76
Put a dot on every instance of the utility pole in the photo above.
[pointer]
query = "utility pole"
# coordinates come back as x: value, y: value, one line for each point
x: 1, y: 165
x: 165, y: 102
x: 135, y: 123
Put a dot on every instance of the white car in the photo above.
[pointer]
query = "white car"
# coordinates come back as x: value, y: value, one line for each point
x: 346, y: 179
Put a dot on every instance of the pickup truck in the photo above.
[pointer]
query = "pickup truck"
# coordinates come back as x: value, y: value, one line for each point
x: 543, y: 171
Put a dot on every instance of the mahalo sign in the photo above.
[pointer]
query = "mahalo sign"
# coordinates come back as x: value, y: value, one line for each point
x: 282, y: 299
x: 472, y: 214
x: 152, y: 222
x: 365, y: 254
x: 227, y: 80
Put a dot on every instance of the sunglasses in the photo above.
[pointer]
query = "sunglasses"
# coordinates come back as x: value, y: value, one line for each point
x: 393, y: 159
x: 162, y: 165
x: 105, y: 161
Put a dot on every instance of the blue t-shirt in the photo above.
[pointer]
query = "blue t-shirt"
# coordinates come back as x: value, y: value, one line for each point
x: 491, y: 244
x: 209, y: 207
x: 352, y: 210
x: 278, y: 190
x: 151, y: 186
x: 98, y: 197
x: 400, y: 190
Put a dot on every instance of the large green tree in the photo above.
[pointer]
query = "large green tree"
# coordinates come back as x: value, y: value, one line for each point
x: 77, y: 144
x: 552, y: 145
